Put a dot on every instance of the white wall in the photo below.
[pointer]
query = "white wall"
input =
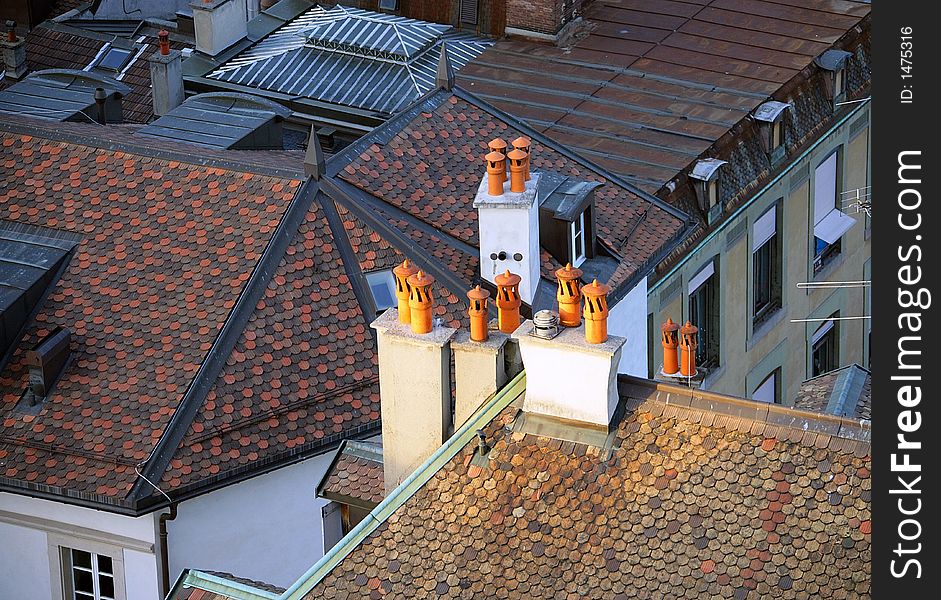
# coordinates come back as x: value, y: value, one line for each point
x: 268, y: 528
x: 26, y: 525
x: 628, y: 318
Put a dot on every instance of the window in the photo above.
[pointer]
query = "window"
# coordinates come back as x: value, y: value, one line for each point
x: 704, y: 314
x: 829, y: 222
x: 577, y: 249
x: 382, y: 286
x: 388, y: 5
x: 87, y: 576
x: 823, y: 350
x: 776, y: 135
x: 113, y: 59
x: 838, y: 84
x: 766, y: 266
x: 767, y: 390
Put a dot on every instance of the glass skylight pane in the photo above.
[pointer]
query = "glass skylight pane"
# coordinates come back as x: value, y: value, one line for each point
x: 114, y: 59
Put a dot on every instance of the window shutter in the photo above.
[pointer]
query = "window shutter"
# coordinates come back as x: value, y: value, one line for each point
x: 825, y: 188
x: 700, y: 278
x: 763, y: 229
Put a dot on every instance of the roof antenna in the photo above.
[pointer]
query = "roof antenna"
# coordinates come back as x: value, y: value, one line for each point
x: 314, y: 163
x: 445, y: 77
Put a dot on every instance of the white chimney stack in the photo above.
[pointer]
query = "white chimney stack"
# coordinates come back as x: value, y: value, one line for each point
x: 218, y: 24
x: 508, y: 219
x: 14, y: 52
x: 166, y: 76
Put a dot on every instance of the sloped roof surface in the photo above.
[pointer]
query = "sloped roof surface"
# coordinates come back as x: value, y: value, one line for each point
x: 355, y: 475
x: 687, y: 503
x: 652, y: 84
x: 167, y: 247
x: 363, y: 60
x: 845, y: 392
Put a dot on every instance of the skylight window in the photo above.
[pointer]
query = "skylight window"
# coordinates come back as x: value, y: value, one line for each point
x: 114, y: 59
x: 382, y: 286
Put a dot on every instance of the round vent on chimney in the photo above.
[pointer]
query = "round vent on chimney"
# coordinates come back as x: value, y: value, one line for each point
x: 545, y: 324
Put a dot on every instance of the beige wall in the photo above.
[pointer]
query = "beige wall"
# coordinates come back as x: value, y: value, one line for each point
x: 748, y: 356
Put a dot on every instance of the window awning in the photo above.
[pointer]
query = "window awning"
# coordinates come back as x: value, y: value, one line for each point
x: 763, y: 229
x: 833, y: 226
x: 821, y: 331
x: 700, y: 278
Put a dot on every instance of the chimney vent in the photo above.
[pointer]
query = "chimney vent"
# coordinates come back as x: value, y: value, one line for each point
x: 403, y: 289
x: 14, y: 53
x: 164, y: 41
x: 545, y: 324
x: 569, y: 296
x: 100, y: 97
x: 522, y: 144
x: 46, y: 361
x: 498, y: 145
x: 596, y: 312
x: 508, y: 301
x: 496, y: 173
x: 670, y: 342
x: 688, y: 343
x: 478, y: 314
x: 421, y: 302
x: 517, y: 170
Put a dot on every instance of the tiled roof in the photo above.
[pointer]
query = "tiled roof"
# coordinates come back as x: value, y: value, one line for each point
x: 167, y: 248
x: 648, y: 86
x: 355, y: 475
x: 68, y: 48
x: 685, y: 503
x: 428, y: 163
x: 214, y: 585
x: 845, y: 392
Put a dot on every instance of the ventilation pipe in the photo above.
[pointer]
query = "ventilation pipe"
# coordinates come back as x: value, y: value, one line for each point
x: 508, y: 302
x: 688, y: 343
x: 478, y: 314
x: 670, y: 342
x: 517, y: 170
x: 569, y: 296
x: 420, y: 301
x: 522, y: 144
x: 403, y: 289
x: 596, y: 312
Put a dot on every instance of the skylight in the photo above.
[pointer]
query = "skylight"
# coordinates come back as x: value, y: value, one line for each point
x: 114, y: 59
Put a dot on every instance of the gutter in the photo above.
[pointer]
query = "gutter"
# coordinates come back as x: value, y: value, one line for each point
x: 407, y: 489
x: 756, y: 195
x: 165, y: 550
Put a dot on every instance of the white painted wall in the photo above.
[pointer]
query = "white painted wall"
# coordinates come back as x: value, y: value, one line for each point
x: 26, y: 524
x: 628, y: 318
x: 268, y: 528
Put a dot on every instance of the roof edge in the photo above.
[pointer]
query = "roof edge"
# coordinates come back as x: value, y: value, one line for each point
x: 219, y: 585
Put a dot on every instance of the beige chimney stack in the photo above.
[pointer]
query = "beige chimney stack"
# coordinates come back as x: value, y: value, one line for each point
x: 218, y: 24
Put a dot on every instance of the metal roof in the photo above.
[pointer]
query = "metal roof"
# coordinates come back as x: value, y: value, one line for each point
x: 566, y: 197
x: 351, y: 57
x: 31, y: 259
x: 770, y: 111
x: 59, y: 95
x: 222, y: 120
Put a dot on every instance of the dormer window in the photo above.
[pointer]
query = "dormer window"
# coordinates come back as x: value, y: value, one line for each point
x: 705, y: 177
x: 770, y: 117
x: 833, y: 63
x: 382, y: 287
x: 566, y: 218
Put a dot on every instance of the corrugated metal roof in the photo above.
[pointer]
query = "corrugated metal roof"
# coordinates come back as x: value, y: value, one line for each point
x: 351, y: 57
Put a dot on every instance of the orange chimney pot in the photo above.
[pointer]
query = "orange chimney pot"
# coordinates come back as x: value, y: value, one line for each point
x: 11, y: 31
x: 569, y: 296
x: 421, y: 302
x: 164, y: 40
x: 517, y: 170
x: 403, y: 289
x: 508, y: 301
x: 478, y: 314
x: 496, y: 173
x: 688, y: 343
x: 670, y: 341
x: 596, y: 312
x: 523, y: 144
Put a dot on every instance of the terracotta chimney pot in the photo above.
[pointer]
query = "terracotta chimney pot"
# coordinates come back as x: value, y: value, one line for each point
x: 670, y: 341
x: 403, y: 288
x: 523, y: 144
x: 478, y: 314
x: 688, y: 343
x: 569, y: 296
x: 11, y: 31
x: 164, y: 41
x: 421, y: 302
x: 496, y: 173
x: 596, y: 312
x: 508, y: 301
x: 517, y: 170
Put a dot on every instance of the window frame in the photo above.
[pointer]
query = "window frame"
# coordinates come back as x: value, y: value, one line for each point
x: 128, y: 55
x: 776, y: 374
x: 577, y: 237
x: 60, y: 577
x: 372, y: 280
x: 769, y: 252
x: 822, y: 252
x: 830, y: 338
x: 702, y: 304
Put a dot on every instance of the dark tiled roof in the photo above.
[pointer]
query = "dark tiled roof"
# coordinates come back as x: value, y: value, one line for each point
x: 429, y: 165
x: 167, y: 247
x: 845, y: 392
x: 686, y: 503
x: 372, y: 251
x: 653, y: 84
x: 355, y: 475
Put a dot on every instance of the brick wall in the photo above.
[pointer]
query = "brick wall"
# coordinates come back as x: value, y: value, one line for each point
x: 544, y: 16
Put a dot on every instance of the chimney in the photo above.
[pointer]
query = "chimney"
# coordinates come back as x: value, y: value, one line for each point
x: 218, y: 24
x: 508, y: 219
x: 688, y: 343
x: 14, y: 53
x: 508, y: 302
x: 46, y: 361
x: 166, y: 76
x: 414, y: 383
x: 498, y: 145
x: 479, y: 360
x: 569, y: 296
x: 101, y: 96
x: 670, y: 342
x: 572, y: 375
x: 522, y: 144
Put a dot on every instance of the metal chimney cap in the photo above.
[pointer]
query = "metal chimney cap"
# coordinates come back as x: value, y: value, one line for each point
x: 545, y: 324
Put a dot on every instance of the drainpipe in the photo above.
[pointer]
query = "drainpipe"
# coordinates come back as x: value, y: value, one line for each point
x: 164, y: 551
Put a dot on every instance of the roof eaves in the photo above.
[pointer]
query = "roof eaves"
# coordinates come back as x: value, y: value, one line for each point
x: 443, y: 455
x: 218, y: 585
x: 209, y: 370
